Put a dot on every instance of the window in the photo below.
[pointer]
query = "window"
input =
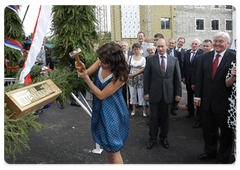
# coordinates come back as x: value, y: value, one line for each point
x: 165, y: 23
x: 214, y: 6
x: 215, y: 24
x: 199, y: 5
x: 229, y: 25
x: 229, y: 7
x: 199, y: 24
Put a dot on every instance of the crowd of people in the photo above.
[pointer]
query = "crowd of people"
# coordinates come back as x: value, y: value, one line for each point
x: 209, y: 75
x: 151, y: 76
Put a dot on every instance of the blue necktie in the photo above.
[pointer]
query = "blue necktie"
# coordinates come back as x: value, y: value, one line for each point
x: 193, y: 55
x: 169, y: 52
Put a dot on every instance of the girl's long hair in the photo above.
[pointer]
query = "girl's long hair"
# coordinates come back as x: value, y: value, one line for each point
x: 113, y: 55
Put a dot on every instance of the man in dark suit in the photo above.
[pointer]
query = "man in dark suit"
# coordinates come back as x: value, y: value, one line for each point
x: 179, y: 47
x: 162, y: 85
x: 171, y: 51
x: 188, y: 67
x: 212, y: 94
x: 155, y: 40
x: 125, y: 49
x: 207, y: 47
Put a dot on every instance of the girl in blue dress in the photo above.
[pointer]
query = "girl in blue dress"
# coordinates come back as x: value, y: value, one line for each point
x: 110, y: 119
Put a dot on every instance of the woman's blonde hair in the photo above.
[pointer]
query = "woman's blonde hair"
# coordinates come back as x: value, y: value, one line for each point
x: 151, y: 47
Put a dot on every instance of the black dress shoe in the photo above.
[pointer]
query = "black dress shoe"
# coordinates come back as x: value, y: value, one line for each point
x: 165, y: 144
x: 150, y: 144
x: 189, y: 115
x: 174, y: 113
x: 206, y: 156
x: 197, y: 125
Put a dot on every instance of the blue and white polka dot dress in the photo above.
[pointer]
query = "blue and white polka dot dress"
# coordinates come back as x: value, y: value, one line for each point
x: 110, y: 119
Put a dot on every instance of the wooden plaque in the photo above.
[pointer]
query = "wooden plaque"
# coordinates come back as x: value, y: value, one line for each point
x: 30, y: 98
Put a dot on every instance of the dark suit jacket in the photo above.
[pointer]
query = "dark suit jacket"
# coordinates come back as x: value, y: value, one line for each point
x: 182, y: 52
x: 157, y: 85
x: 214, y: 92
x: 177, y: 54
x: 197, y: 60
x: 188, y: 66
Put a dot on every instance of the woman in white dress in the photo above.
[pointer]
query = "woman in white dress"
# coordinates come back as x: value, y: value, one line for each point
x: 135, y: 79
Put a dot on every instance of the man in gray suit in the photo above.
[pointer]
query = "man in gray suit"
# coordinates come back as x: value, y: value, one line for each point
x: 143, y: 45
x: 162, y: 85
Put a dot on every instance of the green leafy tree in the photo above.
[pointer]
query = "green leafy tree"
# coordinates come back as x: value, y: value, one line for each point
x: 15, y: 131
x: 13, y: 29
x: 74, y: 27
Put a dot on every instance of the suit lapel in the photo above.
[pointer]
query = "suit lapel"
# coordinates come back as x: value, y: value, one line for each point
x: 188, y: 58
x: 208, y: 60
x: 157, y: 63
x: 169, y: 63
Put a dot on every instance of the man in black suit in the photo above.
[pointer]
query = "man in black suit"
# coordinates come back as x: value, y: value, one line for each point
x: 179, y: 47
x: 155, y: 40
x: 212, y: 94
x: 125, y: 49
x: 162, y: 85
x: 171, y: 51
x: 188, y: 67
x: 207, y: 47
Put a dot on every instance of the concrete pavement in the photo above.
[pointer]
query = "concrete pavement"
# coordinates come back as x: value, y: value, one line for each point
x: 67, y: 139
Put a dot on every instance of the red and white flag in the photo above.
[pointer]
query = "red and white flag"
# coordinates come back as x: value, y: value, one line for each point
x: 36, y: 44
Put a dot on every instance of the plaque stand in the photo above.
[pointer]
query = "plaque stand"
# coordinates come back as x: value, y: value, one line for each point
x: 88, y: 110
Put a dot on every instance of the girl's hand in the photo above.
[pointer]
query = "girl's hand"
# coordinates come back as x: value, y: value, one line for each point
x: 130, y: 75
x: 81, y: 70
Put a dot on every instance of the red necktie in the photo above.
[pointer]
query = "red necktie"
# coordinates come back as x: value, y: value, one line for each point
x: 215, y: 65
x: 163, y: 65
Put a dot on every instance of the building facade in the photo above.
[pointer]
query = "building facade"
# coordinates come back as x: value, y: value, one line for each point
x: 203, y: 21
x: 173, y: 21
x: 128, y: 20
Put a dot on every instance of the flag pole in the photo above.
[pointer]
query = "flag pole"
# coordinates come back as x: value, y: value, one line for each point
x: 25, y: 14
